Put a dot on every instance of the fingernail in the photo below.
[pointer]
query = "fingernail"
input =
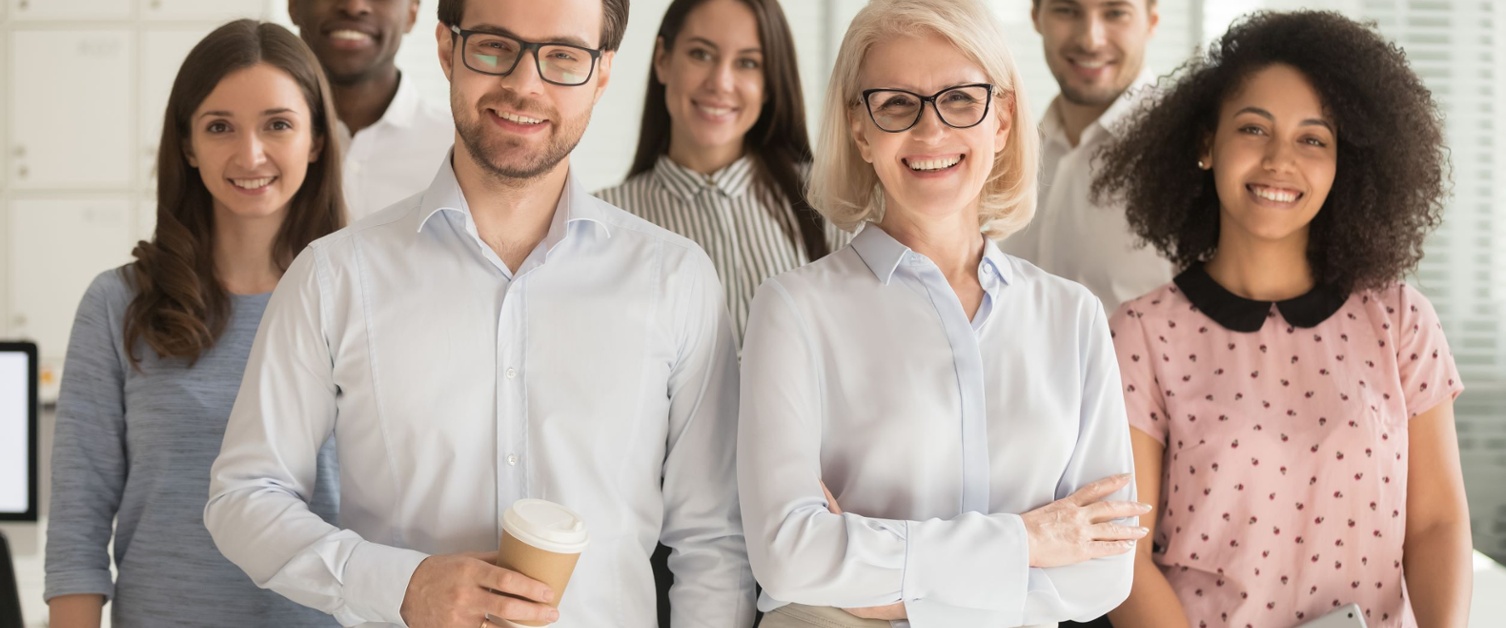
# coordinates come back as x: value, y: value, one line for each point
x: 554, y: 615
x: 1145, y: 507
x: 1143, y: 530
x: 548, y: 595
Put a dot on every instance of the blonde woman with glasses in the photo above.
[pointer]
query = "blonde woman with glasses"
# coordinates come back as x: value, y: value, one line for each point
x: 962, y: 406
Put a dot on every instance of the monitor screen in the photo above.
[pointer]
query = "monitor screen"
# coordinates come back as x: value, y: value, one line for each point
x: 18, y: 431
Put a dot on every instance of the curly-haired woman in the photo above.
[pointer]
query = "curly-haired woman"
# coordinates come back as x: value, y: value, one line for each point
x: 1291, y: 401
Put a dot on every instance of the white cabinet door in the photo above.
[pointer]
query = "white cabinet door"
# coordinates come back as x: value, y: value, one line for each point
x: 202, y: 10
x: 146, y: 220
x: 69, y: 9
x: 162, y: 52
x: 56, y: 248
x: 70, y: 109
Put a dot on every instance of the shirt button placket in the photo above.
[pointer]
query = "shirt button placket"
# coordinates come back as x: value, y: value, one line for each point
x: 512, y: 481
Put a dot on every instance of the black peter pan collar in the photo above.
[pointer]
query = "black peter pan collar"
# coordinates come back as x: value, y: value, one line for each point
x: 1237, y: 313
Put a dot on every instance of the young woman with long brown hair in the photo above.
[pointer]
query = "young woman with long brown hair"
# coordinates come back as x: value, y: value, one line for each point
x: 246, y: 179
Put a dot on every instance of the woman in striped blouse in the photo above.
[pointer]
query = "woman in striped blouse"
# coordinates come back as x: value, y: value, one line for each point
x: 723, y: 152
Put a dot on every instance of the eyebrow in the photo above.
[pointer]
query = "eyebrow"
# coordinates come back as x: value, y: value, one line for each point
x: 227, y: 114
x: 492, y: 29
x: 916, y: 90
x: 711, y: 44
x: 1267, y: 115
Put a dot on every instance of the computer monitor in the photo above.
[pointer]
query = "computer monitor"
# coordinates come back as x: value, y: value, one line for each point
x: 18, y: 431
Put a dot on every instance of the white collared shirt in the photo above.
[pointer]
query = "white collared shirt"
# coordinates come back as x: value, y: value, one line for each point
x: 394, y: 158
x: 1071, y: 236
x: 933, y: 432
x: 601, y: 374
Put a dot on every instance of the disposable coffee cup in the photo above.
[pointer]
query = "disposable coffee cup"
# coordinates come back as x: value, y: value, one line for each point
x: 542, y: 540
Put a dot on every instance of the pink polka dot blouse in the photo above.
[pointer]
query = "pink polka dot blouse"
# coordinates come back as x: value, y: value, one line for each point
x: 1285, y: 469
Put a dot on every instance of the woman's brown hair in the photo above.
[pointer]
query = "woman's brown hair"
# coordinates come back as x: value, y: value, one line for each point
x: 180, y: 308
x: 778, y: 141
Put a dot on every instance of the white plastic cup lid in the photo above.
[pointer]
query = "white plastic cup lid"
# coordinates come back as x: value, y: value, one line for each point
x: 546, y: 525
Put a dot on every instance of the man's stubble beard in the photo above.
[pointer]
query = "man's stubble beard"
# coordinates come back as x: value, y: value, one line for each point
x: 559, y: 146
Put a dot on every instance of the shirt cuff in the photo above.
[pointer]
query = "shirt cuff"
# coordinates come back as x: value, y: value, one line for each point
x: 376, y: 580
x: 992, y: 578
x: 79, y: 582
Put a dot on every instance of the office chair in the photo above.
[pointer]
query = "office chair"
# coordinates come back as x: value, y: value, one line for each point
x: 10, y: 593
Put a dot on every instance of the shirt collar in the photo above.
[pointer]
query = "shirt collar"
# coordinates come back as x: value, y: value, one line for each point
x: 1236, y: 313
x: 400, y: 113
x: 576, y: 206
x: 733, y: 181
x: 1109, y: 121
x: 883, y: 255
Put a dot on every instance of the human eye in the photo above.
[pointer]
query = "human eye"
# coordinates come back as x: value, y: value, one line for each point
x: 959, y: 97
x: 564, y: 54
x: 896, y: 100
x: 494, y: 44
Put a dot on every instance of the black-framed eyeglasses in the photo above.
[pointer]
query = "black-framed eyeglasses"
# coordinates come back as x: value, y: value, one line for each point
x: 897, y: 110
x: 498, y: 55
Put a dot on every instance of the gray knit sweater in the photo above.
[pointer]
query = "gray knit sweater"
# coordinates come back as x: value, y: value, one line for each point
x: 133, y: 450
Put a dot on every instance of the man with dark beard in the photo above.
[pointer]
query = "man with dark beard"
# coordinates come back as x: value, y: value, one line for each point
x: 1096, y: 52
x: 390, y: 134
x: 502, y: 335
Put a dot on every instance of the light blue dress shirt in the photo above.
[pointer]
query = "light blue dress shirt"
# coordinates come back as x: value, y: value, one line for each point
x: 601, y: 374
x: 934, y: 432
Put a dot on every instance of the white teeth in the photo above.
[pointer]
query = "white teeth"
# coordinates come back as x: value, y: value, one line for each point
x: 714, y: 111
x: 517, y: 119
x: 349, y: 35
x: 933, y: 164
x: 1273, y: 194
x: 252, y: 184
x: 1091, y: 65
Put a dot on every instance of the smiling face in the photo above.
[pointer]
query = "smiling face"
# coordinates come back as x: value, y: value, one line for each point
x: 519, y: 126
x: 1095, y: 48
x: 1273, y: 156
x: 252, y: 141
x: 713, y: 76
x: 353, y: 39
x: 932, y: 169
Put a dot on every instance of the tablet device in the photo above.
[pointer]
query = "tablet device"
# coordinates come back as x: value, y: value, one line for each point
x: 1347, y: 616
x: 18, y: 431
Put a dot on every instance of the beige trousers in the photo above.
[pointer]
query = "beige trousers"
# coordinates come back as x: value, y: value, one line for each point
x: 798, y: 616
x: 803, y: 616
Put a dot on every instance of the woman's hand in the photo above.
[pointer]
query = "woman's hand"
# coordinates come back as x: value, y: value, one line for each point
x: 1077, y: 527
x: 890, y: 612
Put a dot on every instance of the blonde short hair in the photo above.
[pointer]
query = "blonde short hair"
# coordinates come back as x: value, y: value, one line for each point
x: 846, y: 190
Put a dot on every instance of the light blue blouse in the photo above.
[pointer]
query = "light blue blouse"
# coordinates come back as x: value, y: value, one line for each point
x: 932, y: 431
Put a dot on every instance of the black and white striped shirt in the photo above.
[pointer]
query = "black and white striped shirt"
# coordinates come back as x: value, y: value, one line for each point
x: 724, y: 213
